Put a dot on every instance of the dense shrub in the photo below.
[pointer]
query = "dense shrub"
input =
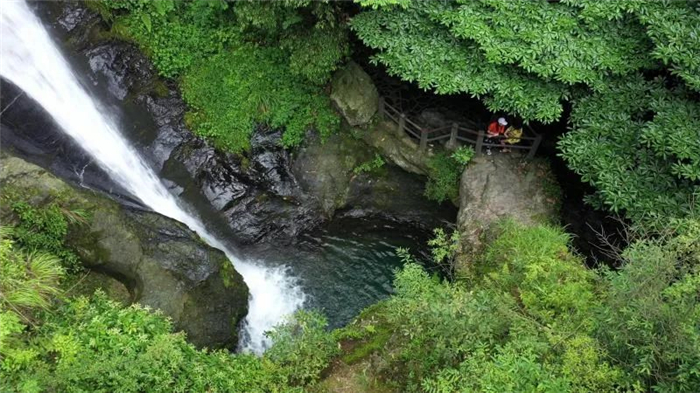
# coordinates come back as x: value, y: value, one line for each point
x: 525, y: 326
x: 252, y: 86
x: 302, y: 348
x: 242, y: 63
x: 650, y: 319
x: 97, y: 345
x: 444, y: 173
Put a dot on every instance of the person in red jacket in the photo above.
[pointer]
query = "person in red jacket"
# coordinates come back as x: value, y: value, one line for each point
x: 496, y: 129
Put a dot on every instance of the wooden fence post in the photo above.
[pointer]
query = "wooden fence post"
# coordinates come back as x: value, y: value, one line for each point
x: 479, y: 142
x: 380, y: 107
x: 423, y: 139
x: 402, y: 124
x: 452, y: 144
x: 534, y: 147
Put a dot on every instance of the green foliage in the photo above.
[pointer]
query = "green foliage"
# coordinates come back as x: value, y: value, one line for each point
x: 463, y: 154
x: 444, y: 173
x: 45, y: 228
x: 650, y: 321
x: 97, y: 345
x: 550, y: 40
x: 637, y: 143
x: 175, y: 34
x: 526, y: 326
x: 537, y: 320
x: 375, y: 4
x: 369, y: 333
x: 369, y: 166
x: 302, y: 347
x: 252, y: 87
x: 671, y: 25
x: 312, y: 33
x: 243, y: 63
x: 28, y: 281
x: 444, y: 248
x: 634, y: 136
x: 416, y: 44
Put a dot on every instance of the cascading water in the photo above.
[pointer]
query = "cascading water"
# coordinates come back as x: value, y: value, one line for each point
x: 31, y: 60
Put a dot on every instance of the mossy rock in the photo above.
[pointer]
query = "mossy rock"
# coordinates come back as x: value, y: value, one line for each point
x: 354, y: 94
x: 161, y: 262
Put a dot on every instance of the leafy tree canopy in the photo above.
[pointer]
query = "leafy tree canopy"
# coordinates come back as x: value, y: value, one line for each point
x: 630, y: 70
x: 637, y: 142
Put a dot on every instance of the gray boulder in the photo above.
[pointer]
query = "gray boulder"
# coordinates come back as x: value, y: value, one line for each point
x: 161, y: 262
x: 502, y: 186
x: 354, y: 94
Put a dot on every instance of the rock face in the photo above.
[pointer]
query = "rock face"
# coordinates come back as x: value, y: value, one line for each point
x: 354, y: 94
x: 400, y: 149
x: 327, y: 171
x: 163, y: 264
x: 502, y: 186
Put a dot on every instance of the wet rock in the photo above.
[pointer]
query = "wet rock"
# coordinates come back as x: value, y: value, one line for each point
x: 73, y: 16
x: 122, y: 66
x: 354, y: 94
x: 162, y: 263
x: 270, y: 163
x: 258, y: 196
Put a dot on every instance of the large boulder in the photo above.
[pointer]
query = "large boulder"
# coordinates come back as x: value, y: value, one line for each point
x: 502, y: 186
x: 354, y: 94
x: 163, y: 264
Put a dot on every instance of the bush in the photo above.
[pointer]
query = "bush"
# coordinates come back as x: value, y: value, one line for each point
x: 265, y: 62
x: 443, y: 178
x: 526, y: 325
x: 370, y: 166
x: 97, y: 345
x: 444, y: 249
x: 253, y: 87
x: 302, y: 347
x: 463, y: 155
x: 650, y: 319
x: 44, y: 229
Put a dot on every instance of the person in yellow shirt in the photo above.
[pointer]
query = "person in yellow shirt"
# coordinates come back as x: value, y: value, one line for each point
x: 513, y: 135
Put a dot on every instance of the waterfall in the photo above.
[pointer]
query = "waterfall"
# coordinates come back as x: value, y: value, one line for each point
x: 30, y: 60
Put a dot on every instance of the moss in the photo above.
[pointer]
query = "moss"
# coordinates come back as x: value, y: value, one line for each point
x: 375, y: 342
x: 228, y: 274
x: 159, y: 88
x: 369, y: 333
x: 86, y: 284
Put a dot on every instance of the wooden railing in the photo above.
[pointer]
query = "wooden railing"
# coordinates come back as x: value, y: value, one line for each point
x: 456, y: 133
